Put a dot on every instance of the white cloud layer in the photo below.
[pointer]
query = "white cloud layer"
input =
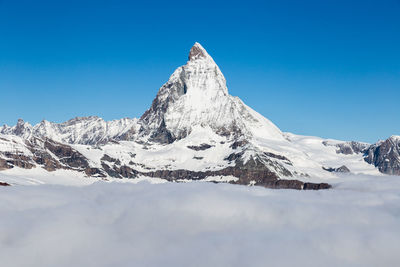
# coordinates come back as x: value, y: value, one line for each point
x: 201, y: 224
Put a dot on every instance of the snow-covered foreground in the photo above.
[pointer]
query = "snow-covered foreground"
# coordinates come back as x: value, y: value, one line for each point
x: 201, y: 224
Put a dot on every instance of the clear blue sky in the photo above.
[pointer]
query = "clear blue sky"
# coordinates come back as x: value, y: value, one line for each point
x: 324, y: 68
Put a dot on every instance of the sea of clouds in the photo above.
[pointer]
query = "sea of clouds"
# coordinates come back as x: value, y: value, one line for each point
x: 357, y: 223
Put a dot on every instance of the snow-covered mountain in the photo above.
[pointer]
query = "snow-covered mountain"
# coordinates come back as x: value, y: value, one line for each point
x: 194, y: 130
x: 196, y: 95
x: 81, y: 130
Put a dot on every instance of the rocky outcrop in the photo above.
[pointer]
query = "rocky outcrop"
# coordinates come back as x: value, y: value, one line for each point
x: 68, y: 156
x: 4, y: 184
x: 296, y: 184
x: 119, y: 171
x: 4, y: 165
x: 250, y: 173
x: 385, y: 155
x: 200, y: 147
x: 341, y: 169
x: 45, y: 153
x: 110, y: 159
x: 265, y: 178
x: 348, y: 148
x: 11, y: 160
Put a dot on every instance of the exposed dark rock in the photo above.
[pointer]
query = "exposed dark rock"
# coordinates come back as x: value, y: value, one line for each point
x: 198, y: 158
x: 234, y: 156
x: 94, y: 172
x: 49, y: 154
x: 4, y: 165
x: 296, y: 184
x: 283, y: 184
x: 342, y: 169
x: 385, y: 156
x: 4, y: 184
x: 230, y: 131
x: 275, y: 156
x: 110, y: 171
x: 200, y: 147
x: 18, y: 160
x: 196, y: 52
x: 155, y: 114
x: 162, y: 135
x: 348, y: 148
x: 67, y: 155
x: 128, y: 172
x: 252, y: 172
x: 120, y: 171
x: 316, y: 186
x: 47, y: 161
x: 239, y: 143
x: 110, y: 159
x: 259, y: 178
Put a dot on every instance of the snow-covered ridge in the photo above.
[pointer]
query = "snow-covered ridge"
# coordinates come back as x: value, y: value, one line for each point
x: 80, y: 130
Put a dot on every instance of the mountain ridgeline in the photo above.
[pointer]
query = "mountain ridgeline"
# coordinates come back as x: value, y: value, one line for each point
x: 193, y: 130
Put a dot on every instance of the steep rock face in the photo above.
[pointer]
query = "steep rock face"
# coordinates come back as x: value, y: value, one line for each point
x: 196, y: 95
x: 385, y: 155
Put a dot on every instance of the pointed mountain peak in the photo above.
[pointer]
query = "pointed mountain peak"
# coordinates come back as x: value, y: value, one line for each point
x: 196, y: 96
x: 197, y: 51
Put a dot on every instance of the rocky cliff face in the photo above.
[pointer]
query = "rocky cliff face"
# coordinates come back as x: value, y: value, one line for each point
x: 385, y: 155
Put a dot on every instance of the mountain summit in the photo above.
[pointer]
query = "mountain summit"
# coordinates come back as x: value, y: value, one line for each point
x: 197, y: 51
x: 196, y: 95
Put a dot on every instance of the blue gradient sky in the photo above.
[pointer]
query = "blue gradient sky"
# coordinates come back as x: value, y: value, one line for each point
x: 324, y: 68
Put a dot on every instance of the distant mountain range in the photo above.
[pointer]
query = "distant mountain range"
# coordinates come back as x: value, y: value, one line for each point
x: 194, y: 130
